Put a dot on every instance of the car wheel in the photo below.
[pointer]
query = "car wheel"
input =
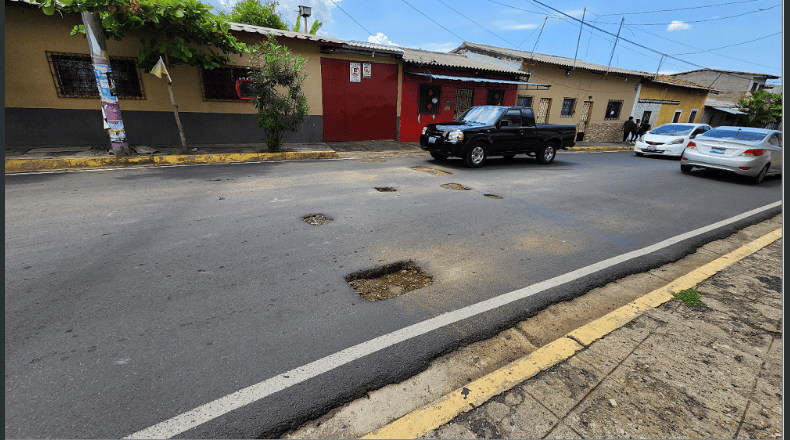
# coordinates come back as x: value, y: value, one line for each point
x: 758, y: 179
x: 686, y: 168
x: 476, y: 155
x: 439, y: 157
x: 547, y: 154
x: 509, y: 156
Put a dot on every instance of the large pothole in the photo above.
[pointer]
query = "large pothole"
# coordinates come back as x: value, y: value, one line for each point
x: 316, y: 219
x: 385, y: 189
x: 389, y: 281
x: 430, y: 170
x: 456, y: 186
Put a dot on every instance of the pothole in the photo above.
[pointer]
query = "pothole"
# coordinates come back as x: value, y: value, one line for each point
x: 372, y: 159
x: 316, y: 219
x: 492, y: 196
x: 385, y: 189
x: 389, y: 281
x: 456, y: 186
x: 430, y: 170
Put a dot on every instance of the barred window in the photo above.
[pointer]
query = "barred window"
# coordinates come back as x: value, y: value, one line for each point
x: 613, y: 110
x: 75, y: 78
x: 524, y: 101
x: 220, y: 84
x: 568, y: 107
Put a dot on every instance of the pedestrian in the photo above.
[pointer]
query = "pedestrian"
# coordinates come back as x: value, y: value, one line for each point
x: 643, y: 128
x: 635, y: 131
x: 628, y: 127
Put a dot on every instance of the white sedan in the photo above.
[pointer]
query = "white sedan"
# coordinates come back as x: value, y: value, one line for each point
x: 752, y: 152
x: 669, y: 139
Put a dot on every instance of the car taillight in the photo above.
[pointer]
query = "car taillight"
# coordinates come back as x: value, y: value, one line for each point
x: 753, y: 153
x: 691, y: 145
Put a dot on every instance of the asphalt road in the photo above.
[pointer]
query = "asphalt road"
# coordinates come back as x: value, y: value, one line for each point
x: 137, y: 295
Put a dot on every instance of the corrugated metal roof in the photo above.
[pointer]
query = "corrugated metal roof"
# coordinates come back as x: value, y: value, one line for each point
x: 475, y: 79
x: 374, y: 47
x: 550, y: 59
x: 734, y: 72
x: 239, y: 27
x: 667, y: 79
x: 426, y: 57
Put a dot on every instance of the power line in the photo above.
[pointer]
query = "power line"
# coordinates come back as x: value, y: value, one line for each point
x: 485, y: 29
x: 731, y: 45
x: 702, y: 21
x: 681, y: 9
x: 429, y: 18
x: 360, y: 24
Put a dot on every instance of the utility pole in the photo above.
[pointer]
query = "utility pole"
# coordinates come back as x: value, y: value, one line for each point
x: 304, y: 11
x: 581, y: 27
x: 111, y: 111
x: 615, y: 45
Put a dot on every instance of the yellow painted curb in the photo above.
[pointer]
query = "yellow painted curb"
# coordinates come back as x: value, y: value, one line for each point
x: 444, y: 409
x: 599, y: 148
x: 418, y: 422
x: 28, y: 165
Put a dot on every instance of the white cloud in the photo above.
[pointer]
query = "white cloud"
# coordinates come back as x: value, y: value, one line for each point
x: 520, y: 27
x: 439, y: 47
x: 380, y: 38
x: 677, y: 25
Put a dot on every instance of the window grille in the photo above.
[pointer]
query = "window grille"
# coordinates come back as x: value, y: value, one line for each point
x: 613, y: 109
x: 430, y: 99
x: 75, y: 78
x: 220, y: 84
x: 568, y: 107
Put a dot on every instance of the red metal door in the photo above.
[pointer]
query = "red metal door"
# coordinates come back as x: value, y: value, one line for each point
x: 359, y: 111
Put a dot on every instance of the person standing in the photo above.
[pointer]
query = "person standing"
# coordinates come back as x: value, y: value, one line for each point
x: 628, y: 127
x: 643, y: 128
x: 635, y: 131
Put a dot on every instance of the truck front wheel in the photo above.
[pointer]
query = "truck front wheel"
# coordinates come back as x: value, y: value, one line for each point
x: 546, y: 154
x: 476, y: 156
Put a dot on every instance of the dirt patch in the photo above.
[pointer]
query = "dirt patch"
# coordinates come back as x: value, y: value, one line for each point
x: 385, y: 189
x: 493, y: 196
x: 430, y: 170
x: 456, y: 186
x: 316, y: 219
x: 389, y: 281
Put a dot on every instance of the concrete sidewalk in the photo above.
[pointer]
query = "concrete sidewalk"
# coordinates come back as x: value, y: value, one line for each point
x: 63, y: 158
x: 654, y: 367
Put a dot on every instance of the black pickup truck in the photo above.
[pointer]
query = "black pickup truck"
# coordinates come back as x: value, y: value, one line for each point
x: 492, y: 130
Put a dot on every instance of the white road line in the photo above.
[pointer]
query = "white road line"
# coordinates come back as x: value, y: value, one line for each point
x: 224, y: 405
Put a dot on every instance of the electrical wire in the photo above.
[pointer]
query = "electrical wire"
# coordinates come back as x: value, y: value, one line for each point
x: 485, y: 29
x: 360, y: 24
x: 731, y: 45
x: 429, y: 18
x: 702, y: 21
x: 681, y: 9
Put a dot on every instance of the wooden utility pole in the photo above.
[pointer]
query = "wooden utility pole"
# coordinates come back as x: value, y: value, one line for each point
x: 111, y: 111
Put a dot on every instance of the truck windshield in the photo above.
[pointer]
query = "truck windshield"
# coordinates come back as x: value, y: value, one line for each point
x: 484, y: 115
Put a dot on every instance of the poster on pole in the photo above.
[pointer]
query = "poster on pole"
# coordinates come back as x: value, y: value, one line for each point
x: 356, y: 74
x: 366, y: 70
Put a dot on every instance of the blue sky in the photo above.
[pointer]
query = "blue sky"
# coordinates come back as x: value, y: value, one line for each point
x: 720, y: 34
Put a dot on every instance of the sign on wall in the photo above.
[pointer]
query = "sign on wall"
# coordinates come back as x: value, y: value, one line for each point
x: 366, y: 70
x: 356, y: 74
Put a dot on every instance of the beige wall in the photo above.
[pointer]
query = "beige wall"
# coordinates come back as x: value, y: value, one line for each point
x: 29, y: 33
x: 584, y: 85
x: 690, y: 99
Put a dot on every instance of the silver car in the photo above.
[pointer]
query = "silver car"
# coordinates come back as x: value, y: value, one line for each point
x: 669, y: 139
x: 752, y: 152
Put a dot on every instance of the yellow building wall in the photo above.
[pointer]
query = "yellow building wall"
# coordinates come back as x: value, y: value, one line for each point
x: 690, y: 99
x: 583, y: 85
x: 29, y: 83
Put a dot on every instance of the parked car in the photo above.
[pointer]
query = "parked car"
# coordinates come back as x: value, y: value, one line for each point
x: 753, y: 152
x: 669, y: 139
x: 492, y: 130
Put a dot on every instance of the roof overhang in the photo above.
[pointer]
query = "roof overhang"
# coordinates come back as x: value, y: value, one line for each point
x: 729, y: 110
x: 485, y: 80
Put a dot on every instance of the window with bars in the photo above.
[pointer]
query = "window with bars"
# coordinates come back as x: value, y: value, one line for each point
x: 613, y: 109
x: 220, y: 84
x: 524, y: 101
x: 568, y: 107
x: 74, y: 76
x: 430, y: 99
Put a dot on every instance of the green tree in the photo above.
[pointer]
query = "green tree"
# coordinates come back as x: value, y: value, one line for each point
x: 255, y: 13
x: 180, y: 31
x: 762, y: 108
x: 277, y: 83
x: 313, y: 29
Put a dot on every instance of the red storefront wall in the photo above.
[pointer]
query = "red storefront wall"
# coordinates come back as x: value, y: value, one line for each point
x: 412, y: 121
x: 359, y: 111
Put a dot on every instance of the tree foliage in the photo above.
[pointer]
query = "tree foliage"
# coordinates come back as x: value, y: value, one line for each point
x: 255, y: 13
x: 313, y: 29
x: 182, y: 31
x: 762, y: 108
x: 277, y: 83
